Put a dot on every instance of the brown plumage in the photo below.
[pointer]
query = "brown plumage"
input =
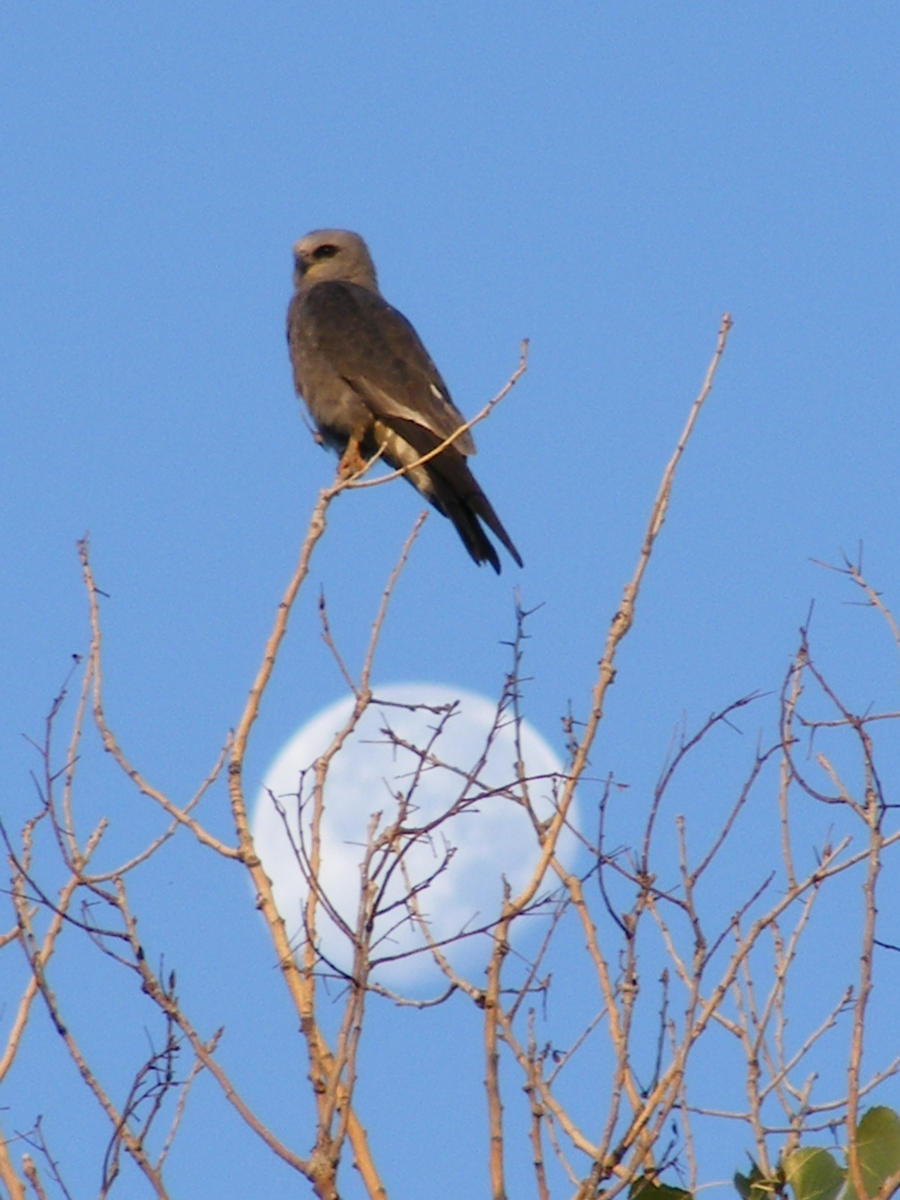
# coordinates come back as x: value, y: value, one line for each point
x: 371, y: 386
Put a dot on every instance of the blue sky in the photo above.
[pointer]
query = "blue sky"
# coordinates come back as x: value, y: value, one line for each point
x: 604, y: 180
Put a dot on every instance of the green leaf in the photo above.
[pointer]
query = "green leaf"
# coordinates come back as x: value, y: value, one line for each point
x: 878, y: 1147
x: 754, y: 1186
x: 647, y: 1188
x: 813, y: 1174
x: 742, y: 1184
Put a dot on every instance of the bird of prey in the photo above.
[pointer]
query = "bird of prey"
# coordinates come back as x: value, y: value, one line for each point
x: 372, y: 388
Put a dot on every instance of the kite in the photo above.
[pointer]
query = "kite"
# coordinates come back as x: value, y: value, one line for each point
x: 372, y: 389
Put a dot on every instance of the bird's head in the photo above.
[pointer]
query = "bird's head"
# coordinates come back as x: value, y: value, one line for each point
x: 333, y: 254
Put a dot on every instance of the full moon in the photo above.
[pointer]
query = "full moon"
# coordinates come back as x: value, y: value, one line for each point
x: 423, y: 796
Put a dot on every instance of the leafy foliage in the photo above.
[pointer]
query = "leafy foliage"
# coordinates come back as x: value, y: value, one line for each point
x: 813, y: 1173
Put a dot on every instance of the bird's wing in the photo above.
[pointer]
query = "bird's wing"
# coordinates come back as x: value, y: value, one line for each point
x: 376, y: 350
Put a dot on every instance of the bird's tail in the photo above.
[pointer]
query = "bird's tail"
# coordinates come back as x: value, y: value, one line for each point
x: 449, y: 485
x: 458, y: 496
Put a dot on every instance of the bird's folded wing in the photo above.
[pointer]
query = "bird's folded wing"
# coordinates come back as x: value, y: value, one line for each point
x: 376, y: 350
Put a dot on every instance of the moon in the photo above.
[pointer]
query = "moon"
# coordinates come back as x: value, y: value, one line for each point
x: 427, y: 776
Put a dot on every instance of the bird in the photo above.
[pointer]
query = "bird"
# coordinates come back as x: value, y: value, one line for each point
x: 372, y: 389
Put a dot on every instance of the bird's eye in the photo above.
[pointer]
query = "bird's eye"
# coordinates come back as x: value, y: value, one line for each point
x: 326, y: 251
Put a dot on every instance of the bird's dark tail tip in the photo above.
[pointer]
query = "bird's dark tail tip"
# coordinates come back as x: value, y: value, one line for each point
x: 457, y: 494
x: 465, y: 516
